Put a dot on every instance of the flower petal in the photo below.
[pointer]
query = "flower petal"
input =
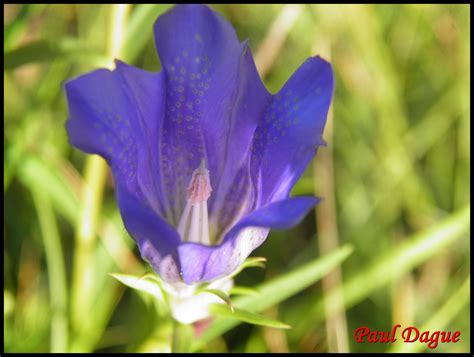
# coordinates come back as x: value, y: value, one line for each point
x: 147, y: 91
x: 156, y: 239
x: 110, y: 115
x: 203, y: 263
x: 214, y: 100
x: 280, y: 215
x: 102, y: 121
x: 291, y: 130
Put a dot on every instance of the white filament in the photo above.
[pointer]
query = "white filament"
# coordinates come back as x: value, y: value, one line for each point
x: 194, y: 222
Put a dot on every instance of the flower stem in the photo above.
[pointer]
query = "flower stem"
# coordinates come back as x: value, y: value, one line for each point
x: 91, y: 201
x: 326, y: 218
x: 56, y: 271
x: 269, y: 49
x: 181, y: 338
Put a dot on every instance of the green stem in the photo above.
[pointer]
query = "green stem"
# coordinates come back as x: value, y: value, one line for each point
x: 92, y: 191
x: 56, y: 271
x: 328, y: 236
x: 181, y: 338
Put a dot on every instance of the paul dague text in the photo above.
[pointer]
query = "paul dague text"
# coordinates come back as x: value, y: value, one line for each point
x: 409, y: 334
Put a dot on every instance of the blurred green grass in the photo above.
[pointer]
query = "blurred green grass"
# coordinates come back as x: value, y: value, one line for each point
x: 400, y: 154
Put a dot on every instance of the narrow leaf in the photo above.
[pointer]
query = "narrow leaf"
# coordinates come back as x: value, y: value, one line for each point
x: 141, y: 284
x: 390, y: 266
x: 252, y: 262
x: 243, y: 290
x: 247, y: 316
x: 47, y: 51
x: 138, y: 30
x: 37, y: 174
x: 220, y: 294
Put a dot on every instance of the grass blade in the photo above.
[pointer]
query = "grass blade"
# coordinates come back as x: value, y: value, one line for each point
x: 221, y: 295
x: 141, y: 284
x: 48, y: 51
x: 139, y: 29
x: 56, y: 271
x: 392, y: 265
x: 243, y: 290
x: 246, y: 316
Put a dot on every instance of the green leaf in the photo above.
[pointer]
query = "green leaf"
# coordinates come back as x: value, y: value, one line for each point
x: 56, y: 270
x: 153, y: 277
x: 140, y: 283
x: 277, y: 290
x: 393, y: 264
x: 246, y: 316
x: 37, y: 174
x: 222, y: 295
x: 47, y: 51
x: 140, y: 29
x: 252, y: 262
x: 258, y: 262
x: 16, y: 29
x: 243, y: 290
x: 8, y: 303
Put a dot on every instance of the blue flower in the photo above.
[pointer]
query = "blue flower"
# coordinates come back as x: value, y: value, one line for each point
x: 202, y: 155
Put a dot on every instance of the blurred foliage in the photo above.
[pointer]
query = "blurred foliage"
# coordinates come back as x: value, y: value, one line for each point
x: 400, y: 152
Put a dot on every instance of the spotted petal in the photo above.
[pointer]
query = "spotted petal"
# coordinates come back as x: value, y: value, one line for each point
x: 291, y: 129
x: 111, y: 114
x: 214, y: 101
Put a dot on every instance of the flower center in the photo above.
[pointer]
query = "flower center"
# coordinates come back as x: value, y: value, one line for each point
x: 194, y: 223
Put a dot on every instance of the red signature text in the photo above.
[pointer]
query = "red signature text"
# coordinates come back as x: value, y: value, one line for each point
x: 409, y: 334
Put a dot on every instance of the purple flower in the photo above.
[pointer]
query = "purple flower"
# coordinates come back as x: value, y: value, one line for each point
x: 203, y: 156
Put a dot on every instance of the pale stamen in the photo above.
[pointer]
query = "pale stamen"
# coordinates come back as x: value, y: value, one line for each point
x: 194, y: 223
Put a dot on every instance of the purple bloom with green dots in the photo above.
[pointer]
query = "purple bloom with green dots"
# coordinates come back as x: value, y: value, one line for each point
x: 202, y: 155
